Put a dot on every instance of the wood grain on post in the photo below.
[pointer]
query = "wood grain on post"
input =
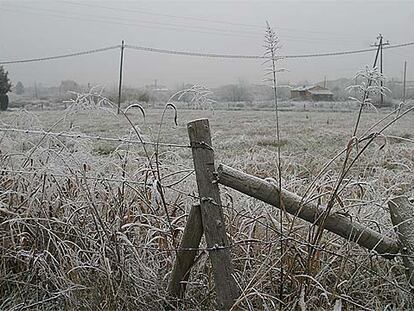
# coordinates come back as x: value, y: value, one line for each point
x: 186, y: 253
x: 212, y: 213
x: 402, y: 217
x: 336, y: 223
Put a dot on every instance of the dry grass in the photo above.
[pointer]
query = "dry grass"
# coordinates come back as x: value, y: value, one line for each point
x: 83, y: 225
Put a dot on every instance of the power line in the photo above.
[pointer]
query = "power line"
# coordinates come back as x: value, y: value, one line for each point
x: 164, y: 15
x: 187, y: 53
x: 199, y: 54
x: 235, y: 56
x: 39, y: 59
x: 256, y: 26
x: 124, y: 22
x: 153, y: 24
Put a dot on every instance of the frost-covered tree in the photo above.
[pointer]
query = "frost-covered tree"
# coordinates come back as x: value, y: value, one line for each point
x: 5, y: 87
x: 19, y: 88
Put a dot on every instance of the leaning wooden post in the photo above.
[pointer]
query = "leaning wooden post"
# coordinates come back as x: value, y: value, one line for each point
x: 402, y: 217
x: 309, y: 211
x: 212, y: 213
x: 186, y: 253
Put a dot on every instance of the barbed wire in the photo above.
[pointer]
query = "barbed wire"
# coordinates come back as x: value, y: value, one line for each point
x: 41, y: 171
x: 85, y: 136
x: 83, y: 176
x: 245, y: 242
x: 251, y: 241
x: 200, y: 54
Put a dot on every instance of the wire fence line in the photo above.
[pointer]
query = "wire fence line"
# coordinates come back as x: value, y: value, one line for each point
x: 92, y: 137
x: 200, y: 54
x: 215, y: 247
x: 236, y: 243
x: 83, y: 176
x: 161, y: 244
x: 41, y: 171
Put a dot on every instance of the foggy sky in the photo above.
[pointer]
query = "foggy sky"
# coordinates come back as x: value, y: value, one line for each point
x: 45, y: 28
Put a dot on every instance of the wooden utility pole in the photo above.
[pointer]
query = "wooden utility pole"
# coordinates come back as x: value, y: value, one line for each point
x: 404, y: 81
x: 380, y: 45
x: 120, y: 75
x: 355, y: 83
x: 35, y: 91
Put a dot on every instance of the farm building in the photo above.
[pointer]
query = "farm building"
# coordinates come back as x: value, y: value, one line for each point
x: 316, y: 93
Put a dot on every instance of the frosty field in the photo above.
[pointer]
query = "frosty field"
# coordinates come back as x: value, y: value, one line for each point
x: 84, y: 225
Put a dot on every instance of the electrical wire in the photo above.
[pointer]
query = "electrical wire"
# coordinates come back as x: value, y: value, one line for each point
x: 39, y: 59
x: 154, y: 24
x: 128, y: 22
x: 215, y: 55
x: 163, y: 15
x: 187, y: 53
x: 200, y: 19
x: 210, y: 55
x: 348, y: 52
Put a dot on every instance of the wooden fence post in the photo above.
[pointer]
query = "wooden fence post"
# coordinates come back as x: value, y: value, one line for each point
x: 212, y: 214
x: 186, y: 253
x: 402, y: 217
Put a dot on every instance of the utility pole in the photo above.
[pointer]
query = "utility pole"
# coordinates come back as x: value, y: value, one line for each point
x: 366, y: 94
x: 35, y: 91
x: 380, y: 44
x: 120, y: 75
x: 404, y: 81
x: 324, y: 82
x: 355, y: 83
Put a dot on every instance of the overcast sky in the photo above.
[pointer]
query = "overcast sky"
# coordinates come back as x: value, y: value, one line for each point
x: 33, y: 28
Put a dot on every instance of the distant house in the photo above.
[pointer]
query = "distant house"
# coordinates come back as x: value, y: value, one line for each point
x: 316, y: 93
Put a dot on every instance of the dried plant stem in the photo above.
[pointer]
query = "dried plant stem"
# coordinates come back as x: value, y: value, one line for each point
x: 271, y: 45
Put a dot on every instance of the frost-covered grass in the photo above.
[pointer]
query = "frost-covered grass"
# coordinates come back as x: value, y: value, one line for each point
x: 83, y: 225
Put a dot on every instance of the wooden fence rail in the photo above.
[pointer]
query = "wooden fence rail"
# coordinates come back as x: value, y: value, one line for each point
x: 309, y: 211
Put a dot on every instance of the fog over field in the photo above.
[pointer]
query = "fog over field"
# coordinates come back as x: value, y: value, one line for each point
x: 227, y: 155
x: 45, y: 28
